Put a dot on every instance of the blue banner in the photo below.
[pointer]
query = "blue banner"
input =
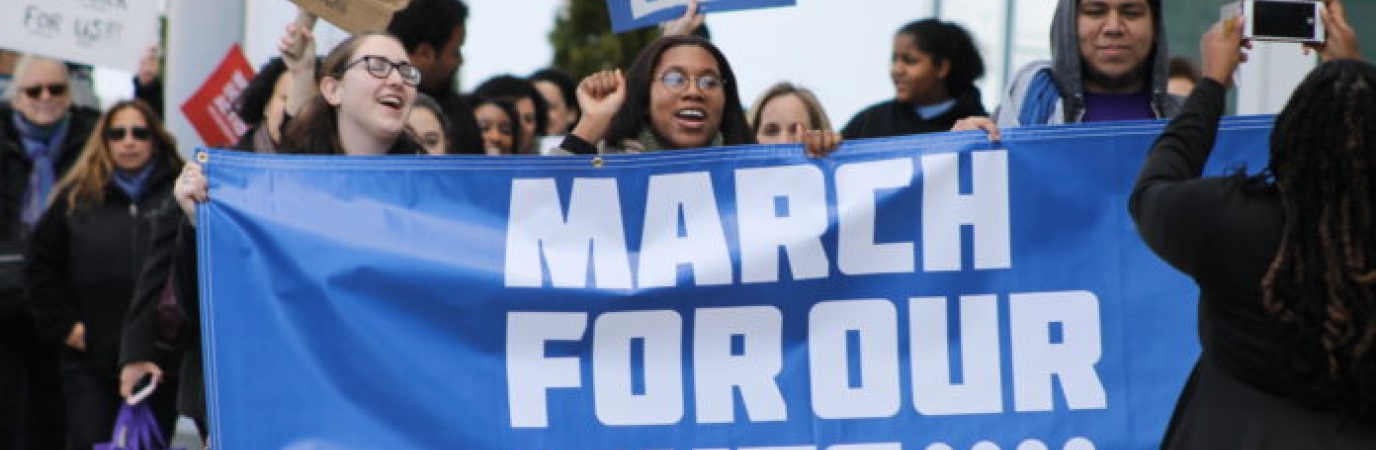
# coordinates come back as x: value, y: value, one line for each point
x: 927, y: 292
x: 628, y: 15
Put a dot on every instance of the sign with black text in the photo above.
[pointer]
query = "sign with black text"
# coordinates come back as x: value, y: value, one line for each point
x: 105, y: 33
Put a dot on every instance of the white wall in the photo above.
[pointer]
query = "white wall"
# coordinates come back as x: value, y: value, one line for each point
x: 199, y: 33
x: 1272, y: 72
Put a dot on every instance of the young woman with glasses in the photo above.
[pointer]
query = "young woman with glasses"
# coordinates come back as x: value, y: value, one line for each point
x: 680, y: 93
x: 361, y: 102
x: 84, y: 258
x: 359, y: 107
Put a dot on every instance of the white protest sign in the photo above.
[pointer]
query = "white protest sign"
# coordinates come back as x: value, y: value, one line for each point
x: 106, y: 33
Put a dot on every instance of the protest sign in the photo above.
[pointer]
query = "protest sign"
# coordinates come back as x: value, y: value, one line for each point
x: 211, y: 109
x: 354, y: 16
x: 925, y: 292
x: 631, y: 14
x: 106, y: 33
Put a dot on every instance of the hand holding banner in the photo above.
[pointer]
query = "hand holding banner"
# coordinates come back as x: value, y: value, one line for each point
x: 906, y: 293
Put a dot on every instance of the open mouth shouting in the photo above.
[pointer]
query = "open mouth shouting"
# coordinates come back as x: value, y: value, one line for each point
x: 691, y: 119
x: 392, y: 101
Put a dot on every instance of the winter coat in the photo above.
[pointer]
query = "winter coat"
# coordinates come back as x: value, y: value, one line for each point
x: 83, y: 263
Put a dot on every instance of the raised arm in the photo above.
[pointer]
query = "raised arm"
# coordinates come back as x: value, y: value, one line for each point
x: 1169, y: 201
x: 298, y: 53
x: 600, y: 96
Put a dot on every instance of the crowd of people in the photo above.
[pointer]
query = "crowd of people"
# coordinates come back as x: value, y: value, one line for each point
x: 87, y: 313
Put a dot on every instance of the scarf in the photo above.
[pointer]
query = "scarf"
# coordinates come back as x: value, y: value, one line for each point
x: 43, y: 145
x: 133, y: 183
x: 649, y: 143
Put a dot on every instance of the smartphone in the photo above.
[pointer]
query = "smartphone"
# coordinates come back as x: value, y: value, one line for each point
x: 1283, y: 21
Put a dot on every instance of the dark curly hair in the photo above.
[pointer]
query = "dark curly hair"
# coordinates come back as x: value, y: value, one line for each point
x: 1322, y: 283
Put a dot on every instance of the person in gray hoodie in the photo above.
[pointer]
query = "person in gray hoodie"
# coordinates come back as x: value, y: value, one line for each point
x: 1109, y: 62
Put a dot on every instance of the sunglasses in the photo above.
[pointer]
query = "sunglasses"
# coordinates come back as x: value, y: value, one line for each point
x: 118, y: 134
x: 55, y: 90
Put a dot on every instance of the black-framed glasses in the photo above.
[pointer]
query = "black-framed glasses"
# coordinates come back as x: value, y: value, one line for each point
x: 119, y: 133
x: 36, y: 91
x: 677, y: 81
x: 381, y: 67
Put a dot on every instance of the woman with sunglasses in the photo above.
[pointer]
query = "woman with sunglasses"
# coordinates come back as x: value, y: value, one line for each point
x: 84, y: 258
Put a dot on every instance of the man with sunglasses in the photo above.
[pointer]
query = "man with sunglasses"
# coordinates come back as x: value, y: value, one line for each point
x: 41, y: 135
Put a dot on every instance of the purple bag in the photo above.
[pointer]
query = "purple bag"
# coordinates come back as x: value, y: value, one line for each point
x: 135, y: 429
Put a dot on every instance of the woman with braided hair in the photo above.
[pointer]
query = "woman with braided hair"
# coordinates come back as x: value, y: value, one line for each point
x: 1285, y: 261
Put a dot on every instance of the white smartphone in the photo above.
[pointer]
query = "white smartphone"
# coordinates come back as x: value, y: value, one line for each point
x: 1283, y: 21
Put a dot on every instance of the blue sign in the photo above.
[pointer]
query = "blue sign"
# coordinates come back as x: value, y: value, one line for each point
x: 925, y: 292
x: 628, y: 15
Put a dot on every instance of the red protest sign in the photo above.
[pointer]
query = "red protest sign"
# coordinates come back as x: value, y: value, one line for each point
x: 211, y: 109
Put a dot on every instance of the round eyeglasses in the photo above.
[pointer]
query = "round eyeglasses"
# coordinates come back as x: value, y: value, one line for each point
x: 677, y: 81
x: 381, y: 67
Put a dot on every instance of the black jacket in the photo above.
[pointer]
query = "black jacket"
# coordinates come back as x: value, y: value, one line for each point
x: 892, y: 118
x: 1224, y: 232
x: 82, y: 265
x: 15, y: 168
x: 171, y: 256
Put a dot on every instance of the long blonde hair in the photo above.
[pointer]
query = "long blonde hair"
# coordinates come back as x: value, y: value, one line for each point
x: 84, y: 186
